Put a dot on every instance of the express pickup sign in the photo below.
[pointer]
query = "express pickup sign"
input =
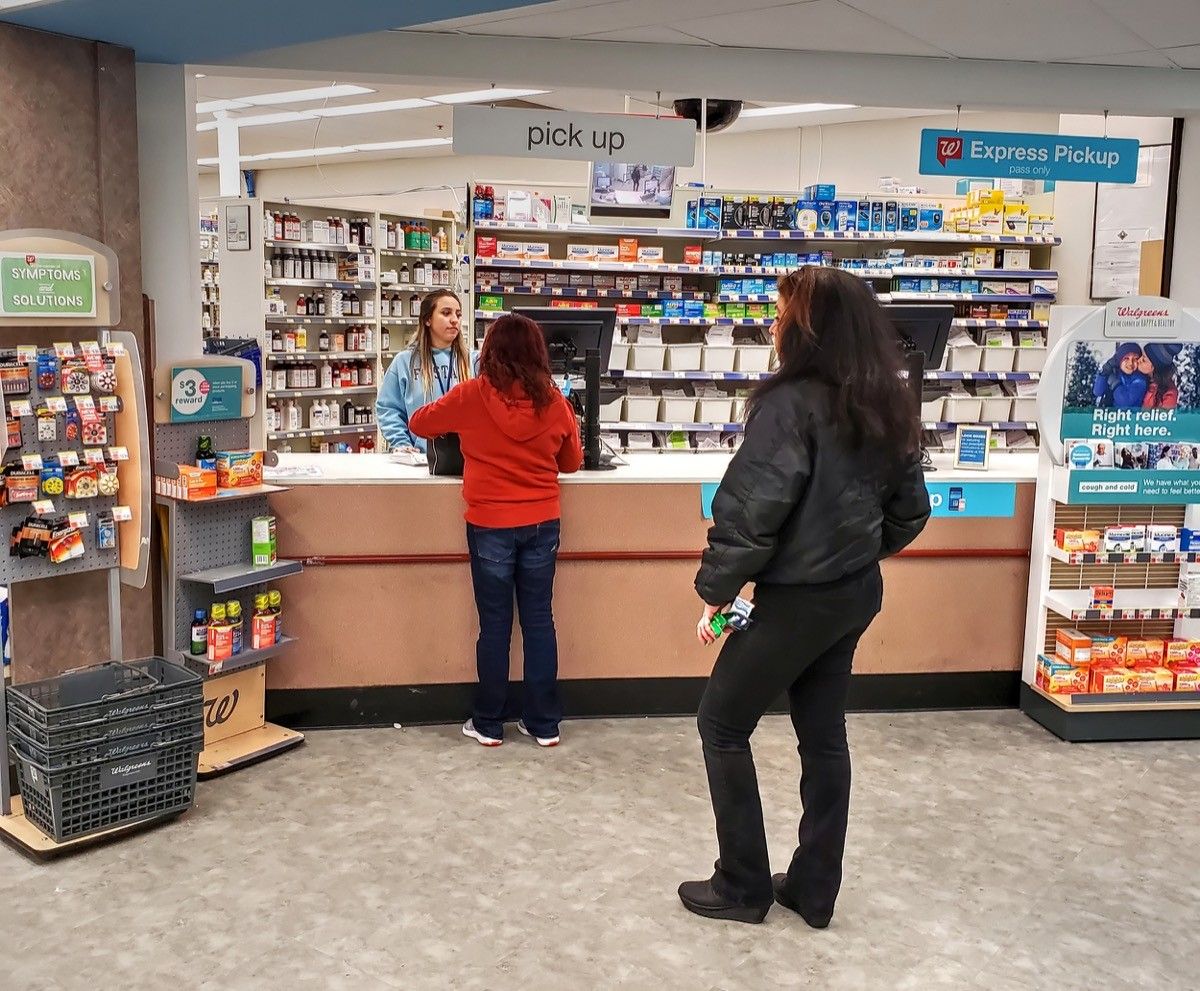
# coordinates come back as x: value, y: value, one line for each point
x: 1005, y: 155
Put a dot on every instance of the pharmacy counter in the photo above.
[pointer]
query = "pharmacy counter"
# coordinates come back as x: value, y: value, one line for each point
x: 386, y: 620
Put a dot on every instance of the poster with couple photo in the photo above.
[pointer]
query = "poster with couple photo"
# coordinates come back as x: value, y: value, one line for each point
x: 1139, y: 390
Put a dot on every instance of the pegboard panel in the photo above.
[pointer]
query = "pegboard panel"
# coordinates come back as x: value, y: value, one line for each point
x: 210, y: 535
x: 16, y: 569
x: 176, y: 442
x: 1098, y: 517
x: 1064, y: 575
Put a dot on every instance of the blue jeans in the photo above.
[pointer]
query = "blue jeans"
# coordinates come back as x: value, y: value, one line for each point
x: 504, y: 561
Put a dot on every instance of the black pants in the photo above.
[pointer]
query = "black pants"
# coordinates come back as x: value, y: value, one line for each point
x: 802, y: 642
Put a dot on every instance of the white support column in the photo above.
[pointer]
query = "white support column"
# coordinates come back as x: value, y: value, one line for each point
x: 229, y: 152
x: 170, y: 206
x: 1185, y: 264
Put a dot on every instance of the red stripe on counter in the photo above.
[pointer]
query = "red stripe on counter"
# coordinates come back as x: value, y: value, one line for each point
x: 940, y: 553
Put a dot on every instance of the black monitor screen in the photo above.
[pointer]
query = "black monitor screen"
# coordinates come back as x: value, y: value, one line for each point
x: 571, y: 333
x: 922, y: 328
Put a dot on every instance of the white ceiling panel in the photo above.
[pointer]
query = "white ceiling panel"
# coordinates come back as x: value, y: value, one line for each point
x: 1022, y: 30
x: 1152, y: 60
x: 647, y: 35
x: 820, y: 25
x: 1185, y: 58
x: 615, y: 16
x: 1161, y: 22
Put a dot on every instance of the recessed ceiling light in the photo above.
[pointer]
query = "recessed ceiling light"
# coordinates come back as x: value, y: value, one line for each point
x: 335, y: 150
x: 797, y: 108
x: 201, y: 75
x: 288, y: 96
x: 486, y: 95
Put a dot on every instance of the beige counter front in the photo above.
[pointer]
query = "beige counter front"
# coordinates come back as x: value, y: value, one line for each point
x: 386, y: 620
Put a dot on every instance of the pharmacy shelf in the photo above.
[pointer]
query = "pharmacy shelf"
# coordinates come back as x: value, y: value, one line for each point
x: 976, y: 273
x: 357, y: 249
x: 733, y: 297
x: 598, y: 229
x: 295, y: 321
x: 972, y: 323
x: 237, y: 576
x: 966, y: 297
x: 574, y: 292
x: 940, y: 376
x: 229, y: 495
x: 319, y: 355
x: 552, y: 264
x: 351, y: 428
x: 1123, y: 702
x: 441, y: 256
x: 399, y: 321
x: 725, y: 428
x: 354, y: 390
x: 1118, y: 558
x: 1128, y: 603
x: 411, y: 287
x: 931, y: 237
x: 320, y: 284
x: 662, y: 321
x: 688, y: 376
x: 246, y: 659
x: 1001, y: 425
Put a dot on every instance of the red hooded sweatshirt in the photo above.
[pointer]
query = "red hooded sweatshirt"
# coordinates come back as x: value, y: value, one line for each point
x: 512, y: 453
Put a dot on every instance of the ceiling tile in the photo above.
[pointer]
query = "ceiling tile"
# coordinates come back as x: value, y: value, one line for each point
x: 647, y: 35
x: 821, y: 25
x: 1013, y: 29
x: 1152, y: 60
x: 1161, y: 22
x: 1186, y: 58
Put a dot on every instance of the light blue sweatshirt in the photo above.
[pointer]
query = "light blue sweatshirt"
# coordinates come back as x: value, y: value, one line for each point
x: 403, y: 390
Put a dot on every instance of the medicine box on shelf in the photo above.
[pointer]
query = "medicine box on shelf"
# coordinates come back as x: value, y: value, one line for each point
x: 718, y: 357
x: 683, y: 357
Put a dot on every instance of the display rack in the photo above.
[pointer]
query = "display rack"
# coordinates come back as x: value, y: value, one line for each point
x: 126, y: 449
x: 1146, y: 599
x: 208, y: 557
x: 210, y: 276
x: 367, y: 340
x: 698, y: 285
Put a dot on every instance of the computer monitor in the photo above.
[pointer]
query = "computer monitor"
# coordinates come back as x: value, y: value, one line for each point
x: 580, y: 342
x: 571, y: 333
x: 921, y: 332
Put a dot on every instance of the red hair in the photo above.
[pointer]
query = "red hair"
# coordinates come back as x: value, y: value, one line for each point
x: 514, y: 354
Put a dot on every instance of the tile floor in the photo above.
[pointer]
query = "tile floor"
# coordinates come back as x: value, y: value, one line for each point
x: 983, y: 854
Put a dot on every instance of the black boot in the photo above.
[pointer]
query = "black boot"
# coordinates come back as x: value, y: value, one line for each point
x: 779, y: 885
x: 701, y: 898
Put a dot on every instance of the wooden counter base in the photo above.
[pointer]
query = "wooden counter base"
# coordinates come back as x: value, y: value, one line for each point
x: 408, y: 630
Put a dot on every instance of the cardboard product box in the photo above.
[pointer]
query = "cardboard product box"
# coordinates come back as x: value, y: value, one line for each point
x: 581, y: 252
x: 537, y: 249
x: 197, y: 483
x: 1078, y: 541
x: 627, y: 249
x: 1041, y: 312
x: 672, y: 283
x: 1016, y: 218
x: 845, y: 215
x: 627, y: 283
x: 1103, y: 596
x: 604, y: 280
x: 1073, y: 648
x: 1015, y: 258
x: 806, y: 215
x: 1187, y: 678
x: 891, y: 216
x: 930, y: 219
x: 1182, y: 652
x: 649, y: 282
x: 510, y: 278
x: 485, y: 246
x: 1108, y: 652
x: 990, y: 220
x: 693, y: 254
x: 863, y: 216
x: 580, y: 280
x: 877, y: 216
x: 1162, y: 539
x: 652, y: 254
x: 263, y: 547
x: 1145, y: 653
x: 820, y: 191
x: 1057, y: 678
x: 239, y: 469
x: 983, y: 258
x: 910, y: 217
x: 1044, y: 287
x: 1123, y: 538
x: 510, y: 249
x: 556, y: 278
x: 485, y: 302
x: 710, y: 213
x: 607, y: 253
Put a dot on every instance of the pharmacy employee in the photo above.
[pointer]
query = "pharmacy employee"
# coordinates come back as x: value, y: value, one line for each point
x: 435, y: 363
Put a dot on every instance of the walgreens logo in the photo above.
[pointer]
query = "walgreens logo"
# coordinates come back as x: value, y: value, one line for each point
x: 1137, y: 312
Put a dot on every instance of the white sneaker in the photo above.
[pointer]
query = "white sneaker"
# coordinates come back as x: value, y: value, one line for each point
x: 542, y: 741
x: 469, y: 729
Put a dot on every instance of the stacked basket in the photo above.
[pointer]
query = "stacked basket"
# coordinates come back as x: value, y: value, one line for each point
x: 106, y: 746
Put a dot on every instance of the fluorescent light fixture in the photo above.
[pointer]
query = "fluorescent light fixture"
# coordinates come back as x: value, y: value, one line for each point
x: 797, y: 108
x: 289, y: 116
x: 283, y: 117
x: 288, y: 96
x: 335, y: 150
x: 486, y: 95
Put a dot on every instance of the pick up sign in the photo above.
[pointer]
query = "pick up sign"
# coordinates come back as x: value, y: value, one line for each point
x: 1012, y: 155
x: 581, y: 137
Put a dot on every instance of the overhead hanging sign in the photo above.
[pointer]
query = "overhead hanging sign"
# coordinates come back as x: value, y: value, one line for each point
x: 211, y: 393
x: 1012, y: 155
x: 580, y: 137
x: 37, y: 285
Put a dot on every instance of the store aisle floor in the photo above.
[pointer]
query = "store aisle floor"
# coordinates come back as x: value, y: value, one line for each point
x: 983, y: 854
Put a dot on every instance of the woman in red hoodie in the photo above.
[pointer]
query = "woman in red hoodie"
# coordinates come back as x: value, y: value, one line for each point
x: 517, y: 432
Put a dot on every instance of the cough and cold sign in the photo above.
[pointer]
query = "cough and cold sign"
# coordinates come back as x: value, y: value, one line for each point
x: 1005, y: 155
x: 481, y: 130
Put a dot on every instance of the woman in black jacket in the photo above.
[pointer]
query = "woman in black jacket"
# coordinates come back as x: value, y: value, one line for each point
x: 827, y: 482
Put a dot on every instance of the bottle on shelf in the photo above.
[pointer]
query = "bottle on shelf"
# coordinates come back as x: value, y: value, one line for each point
x: 347, y: 413
x: 233, y: 610
x: 326, y: 375
x: 262, y: 623
x: 199, y: 638
x: 385, y: 340
x: 323, y: 340
x: 275, y: 604
x: 414, y: 305
x: 321, y: 305
x: 277, y: 219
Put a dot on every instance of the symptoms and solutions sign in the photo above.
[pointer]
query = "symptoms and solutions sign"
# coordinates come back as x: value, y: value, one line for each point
x: 580, y: 137
x: 33, y: 285
x: 1004, y: 155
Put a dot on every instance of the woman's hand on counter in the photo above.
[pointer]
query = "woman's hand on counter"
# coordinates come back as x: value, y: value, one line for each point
x: 704, y: 631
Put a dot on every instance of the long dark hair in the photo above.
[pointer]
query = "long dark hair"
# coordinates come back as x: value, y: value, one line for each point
x: 832, y: 330
x: 423, y: 342
x: 514, y: 353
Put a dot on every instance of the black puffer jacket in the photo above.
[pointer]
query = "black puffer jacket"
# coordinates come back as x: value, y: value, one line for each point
x: 798, y: 506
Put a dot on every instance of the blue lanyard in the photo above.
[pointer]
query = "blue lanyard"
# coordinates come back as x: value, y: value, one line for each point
x: 447, y: 382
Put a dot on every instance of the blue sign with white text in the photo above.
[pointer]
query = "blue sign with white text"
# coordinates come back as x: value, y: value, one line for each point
x: 1011, y: 155
x: 972, y: 449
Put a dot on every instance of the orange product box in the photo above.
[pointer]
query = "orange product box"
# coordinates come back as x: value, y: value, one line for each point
x: 1187, y: 678
x: 1108, y: 652
x: 1144, y: 653
x: 220, y: 642
x: 1061, y: 679
x: 1078, y: 541
x: 1182, y: 653
x: 627, y: 249
x: 239, y: 469
x: 1132, y: 680
x: 1073, y: 647
x: 629, y: 309
x: 1102, y: 596
x: 197, y: 483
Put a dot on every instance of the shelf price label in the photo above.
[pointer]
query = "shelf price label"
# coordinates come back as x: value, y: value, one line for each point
x: 27, y: 353
x: 43, y: 507
x: 64, y: 349
x: 93, y: 455
x: 79, y: 520
x: 68, y: 459
x: 85, y: 403
x: 20, y: 407
x: 122, y: 514
x: 110, y: 404
x: 118, y: 454
x: 31, y: 462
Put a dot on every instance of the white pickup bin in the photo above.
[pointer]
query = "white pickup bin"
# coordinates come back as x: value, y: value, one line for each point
x: 1024, y: 409
x: 995, y: 409
x: 1030, y: 359
x: 718, y: 357
x: 641, y: 409
x: 619, y: 359
x: 677, y: 409
x: 931, y: 411
x: 997, y: 358
x: 611, y: 412
x: 963, y: 409
x: 753, y: 358
x: 964, y: 358
x: 683, y: 357
x: 714, y: 411
x: 647, y: 357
